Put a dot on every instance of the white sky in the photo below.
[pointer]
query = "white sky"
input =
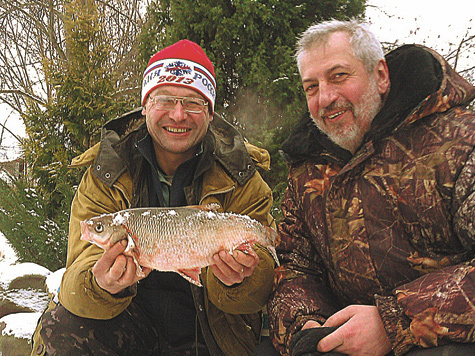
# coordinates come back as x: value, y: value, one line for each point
x: 9, y: 148
x: 439, y: 25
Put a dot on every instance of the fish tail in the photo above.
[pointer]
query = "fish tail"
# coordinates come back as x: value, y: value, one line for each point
x: 273, y: 253
x: 271, y: 234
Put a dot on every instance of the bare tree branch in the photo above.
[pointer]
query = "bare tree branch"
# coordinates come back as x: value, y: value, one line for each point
x: 465, y: 42
x: 22, y: 93
x: 18, y: 138
x: 32, y: 40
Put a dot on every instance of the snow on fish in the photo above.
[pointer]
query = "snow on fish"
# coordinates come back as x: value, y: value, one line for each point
x: 181, y: 239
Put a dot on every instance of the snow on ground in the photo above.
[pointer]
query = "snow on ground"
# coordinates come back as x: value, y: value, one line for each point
x: 20, y: 325
x: 53, y: 281
x: 8, y: 273
x: 26, y: 298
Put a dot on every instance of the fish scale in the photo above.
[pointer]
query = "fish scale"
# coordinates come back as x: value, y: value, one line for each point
x: 177, y: 239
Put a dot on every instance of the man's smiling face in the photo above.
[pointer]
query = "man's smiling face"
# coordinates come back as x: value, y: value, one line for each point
x: 176, y: 133
x: 343, y: 98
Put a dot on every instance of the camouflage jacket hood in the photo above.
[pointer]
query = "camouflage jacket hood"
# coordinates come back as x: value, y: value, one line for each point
x: 226, y: 175
x: 392, y: 225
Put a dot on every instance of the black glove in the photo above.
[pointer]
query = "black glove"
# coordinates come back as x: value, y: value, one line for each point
x: 304, y: 343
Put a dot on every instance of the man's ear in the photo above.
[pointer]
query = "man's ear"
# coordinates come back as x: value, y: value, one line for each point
x: 381, y: 73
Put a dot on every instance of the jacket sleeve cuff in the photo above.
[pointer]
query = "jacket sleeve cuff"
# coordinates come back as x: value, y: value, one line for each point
x: 113, y: 304
x: 396, y: 324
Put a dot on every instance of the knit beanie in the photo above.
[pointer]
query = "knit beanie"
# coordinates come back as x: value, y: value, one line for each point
x: 182, y: 64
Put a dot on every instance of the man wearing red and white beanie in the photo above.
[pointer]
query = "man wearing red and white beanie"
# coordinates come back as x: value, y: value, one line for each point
x: 183, y: 64
x: 181, y: 153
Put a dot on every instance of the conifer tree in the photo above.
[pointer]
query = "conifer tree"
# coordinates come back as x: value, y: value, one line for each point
x: 83, y: 101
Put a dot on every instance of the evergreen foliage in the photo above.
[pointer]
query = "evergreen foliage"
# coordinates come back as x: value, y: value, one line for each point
x: 70, y: 123
x: 25, y: 222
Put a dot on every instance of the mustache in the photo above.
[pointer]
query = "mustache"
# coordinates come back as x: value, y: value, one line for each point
x: 335, y: 106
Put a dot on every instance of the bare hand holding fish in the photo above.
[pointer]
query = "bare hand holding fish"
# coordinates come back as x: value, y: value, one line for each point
x: 181, y: 239
x: 115, y: 271
x: 232, y: 269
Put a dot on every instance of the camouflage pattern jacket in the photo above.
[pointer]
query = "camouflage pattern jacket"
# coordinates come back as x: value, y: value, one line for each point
x: 391, y: 226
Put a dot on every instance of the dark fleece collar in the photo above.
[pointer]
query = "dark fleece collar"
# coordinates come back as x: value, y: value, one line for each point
x: 414, y: 74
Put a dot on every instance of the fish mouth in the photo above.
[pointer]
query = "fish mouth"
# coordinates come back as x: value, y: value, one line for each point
x: 84, y: 231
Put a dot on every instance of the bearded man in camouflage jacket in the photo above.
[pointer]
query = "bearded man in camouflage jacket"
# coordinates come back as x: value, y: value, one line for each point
x: 377, y: 238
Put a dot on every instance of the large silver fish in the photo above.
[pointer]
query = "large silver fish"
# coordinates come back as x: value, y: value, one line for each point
x: 182, y: 239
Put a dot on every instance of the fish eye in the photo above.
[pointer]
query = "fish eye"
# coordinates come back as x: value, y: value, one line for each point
x: 99, y: 228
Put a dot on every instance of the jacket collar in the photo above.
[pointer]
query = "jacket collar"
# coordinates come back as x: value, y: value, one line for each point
x: 117, y: 151
x: 307, y: 141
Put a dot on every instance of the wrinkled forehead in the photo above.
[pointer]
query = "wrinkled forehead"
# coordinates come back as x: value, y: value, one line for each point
x: 332, y: 44
x: 327, y: 58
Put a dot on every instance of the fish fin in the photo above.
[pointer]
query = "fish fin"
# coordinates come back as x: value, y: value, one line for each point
x: 130, y: 244
x: 192, y: 275
x: 131, y: 250
x: 134, y: 252
x: 139, y: 271
x: 132, y: 241
x: 244, y: 247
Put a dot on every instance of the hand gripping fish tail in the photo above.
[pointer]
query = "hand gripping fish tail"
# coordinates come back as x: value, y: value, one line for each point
x: 182, y: 239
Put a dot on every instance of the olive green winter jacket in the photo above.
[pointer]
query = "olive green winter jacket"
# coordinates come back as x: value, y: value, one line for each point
x: 226, y: 175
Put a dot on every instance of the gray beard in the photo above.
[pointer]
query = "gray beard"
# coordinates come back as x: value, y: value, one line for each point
x: 364, y: 112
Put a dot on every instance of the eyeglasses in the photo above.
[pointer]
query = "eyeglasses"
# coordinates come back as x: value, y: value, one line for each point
x: 168, y: 102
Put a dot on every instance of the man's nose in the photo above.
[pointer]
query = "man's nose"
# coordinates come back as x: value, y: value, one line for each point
x: 327, y: 94
x: 178, y: 113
